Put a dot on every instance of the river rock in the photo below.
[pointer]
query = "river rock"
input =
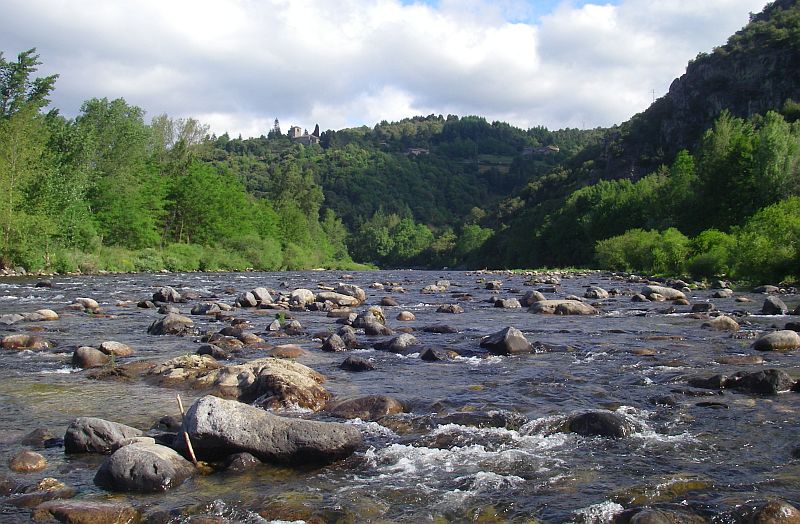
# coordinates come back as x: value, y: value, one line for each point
x: 398, y: 344
x: 768, y: 289
x: 207, y: 308
x: 348, y: 336
x: 11, y: 318
x: 531, y: 297
x: 436, y: 355
x: 272, y: 382
x: 46, y: 489
x: 339, y: 299
x: 214, y: 351
x: 450, y: 308
x: 287, y: 351
x: 508, y: 341
x: 334, y: 343
x: 41, y: 315
x: 369, y: 407
x: 601, y: 424
x: 86, y: 303
x: 493, y: 285
x: 351, y: 290
x: 389, y: 302
x: 439, y: 329
x: 764, y: 382
x: 144, y: 468
x: 562, y: 307
x: 86, y: 512
x: 372, y: 315
x: 774, y: 306
x: 722, y: 323
x: 95, y: 435
x: 703, y: 307
x: 171, y: 324
x: 722, y: 293
x: 27, y: 461
x: 356, y: 364
x: 782, y: 340
x: 406, y: 316
x: 374, y: 329
x: 166, y: 309
x: 596, y: 293
x: 118, y: 349
x: 793, y: 326
x: 508, y: 303
x: 775, y: 511
x: 88, y: 357
x: 667, y: 292
x: 301, y: 298
x: 659, y: 514
x: 246, y: 299
x: 166, y: 294
x: 220, y: 427
x: 21, y: 342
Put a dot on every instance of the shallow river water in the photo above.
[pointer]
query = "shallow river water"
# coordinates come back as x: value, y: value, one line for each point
x: 710, y: 454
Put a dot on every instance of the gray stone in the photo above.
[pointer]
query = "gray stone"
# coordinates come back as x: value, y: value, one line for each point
x: 95, y: 435
x: 667, y: 292
x: 601, y: 424
x: 782, y: 340
x: 145, y: 468
x: 369, y: 407
x: 508, y: 341
x: 171, y: 324
x: 166, y: 294
x: 562, y: 307
x: 220, y: 427
x: 774, y: 306
x: 88, y: 357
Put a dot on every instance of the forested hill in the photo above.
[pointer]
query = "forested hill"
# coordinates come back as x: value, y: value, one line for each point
x: 410, y: 192
x: 705, y: 181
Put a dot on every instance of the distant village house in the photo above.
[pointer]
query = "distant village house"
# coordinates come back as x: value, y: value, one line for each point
x: 416, y: 151
x: 303, y: 137
x: 545, y: 150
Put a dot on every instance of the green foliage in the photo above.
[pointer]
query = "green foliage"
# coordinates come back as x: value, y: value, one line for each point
x: 18, y: 90
x: 653, y: 252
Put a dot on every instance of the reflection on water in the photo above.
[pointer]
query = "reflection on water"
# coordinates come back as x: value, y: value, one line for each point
x: 420, y: 466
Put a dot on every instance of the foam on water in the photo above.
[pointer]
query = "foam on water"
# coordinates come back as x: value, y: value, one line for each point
x: 602, y: 513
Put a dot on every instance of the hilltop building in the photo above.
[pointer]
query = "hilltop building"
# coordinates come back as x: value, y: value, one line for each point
x: 303, y: 138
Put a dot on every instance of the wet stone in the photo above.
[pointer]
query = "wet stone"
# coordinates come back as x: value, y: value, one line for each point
x: 27, y: 461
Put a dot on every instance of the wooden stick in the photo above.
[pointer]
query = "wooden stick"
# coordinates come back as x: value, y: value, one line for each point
x: 186, y: 433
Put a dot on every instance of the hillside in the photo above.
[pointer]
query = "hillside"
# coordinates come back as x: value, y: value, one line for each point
x: 712, y: 158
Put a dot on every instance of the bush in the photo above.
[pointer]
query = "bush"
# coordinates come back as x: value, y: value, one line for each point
x: 259, y: 253
x: 116, y: 259
x: 182, y: 257
x: 712, y: 251
x: 647, y: 251
x: 148, y: 260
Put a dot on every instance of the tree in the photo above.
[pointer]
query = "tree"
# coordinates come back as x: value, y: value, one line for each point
x: 275, y: 132
x: 17, y: 89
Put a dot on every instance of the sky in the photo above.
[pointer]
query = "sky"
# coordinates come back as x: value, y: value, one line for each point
x: 236, y: 65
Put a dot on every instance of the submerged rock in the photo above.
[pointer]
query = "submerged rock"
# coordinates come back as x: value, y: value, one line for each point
x: 27, y: 461
x: 356, y: 364
x: 145, y: 468
x: 220, y: 427
x: 667, y: 293
x: 601, y: 424
x: 95, y: 435
x: 86, y: 512
x: 370, y: 407
x: 764, y: 382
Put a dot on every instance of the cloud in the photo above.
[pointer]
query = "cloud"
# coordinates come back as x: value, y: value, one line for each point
x: 238, y: 64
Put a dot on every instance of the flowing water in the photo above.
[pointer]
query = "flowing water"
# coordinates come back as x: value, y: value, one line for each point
x: 431, y: 464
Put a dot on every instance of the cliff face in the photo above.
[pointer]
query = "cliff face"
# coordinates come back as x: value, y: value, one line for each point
x: 755, y: 72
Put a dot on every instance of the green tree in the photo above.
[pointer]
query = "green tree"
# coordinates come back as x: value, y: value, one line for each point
x: 18, y: 89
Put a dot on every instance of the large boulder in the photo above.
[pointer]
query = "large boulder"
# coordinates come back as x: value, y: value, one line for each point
x: 301, y: 298
x: 271, y: 382
x: 41, y: 315
x: 601, y: 424
x: 667, y: 292
x: 171, y: 324
x: 774, y: 306
x: 95, y: 435
x: 507, y: 303
x: 782, y: 340
x: 118, y: 349
x: 143, y: 467
x: 562, y: 307
x: 369, y: 407
x: 595, y: 293
x: 508, y: 341
x: 398, y: 344
x: 220, y: 427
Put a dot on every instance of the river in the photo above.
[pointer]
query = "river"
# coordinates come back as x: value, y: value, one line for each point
x: 428, y: 465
